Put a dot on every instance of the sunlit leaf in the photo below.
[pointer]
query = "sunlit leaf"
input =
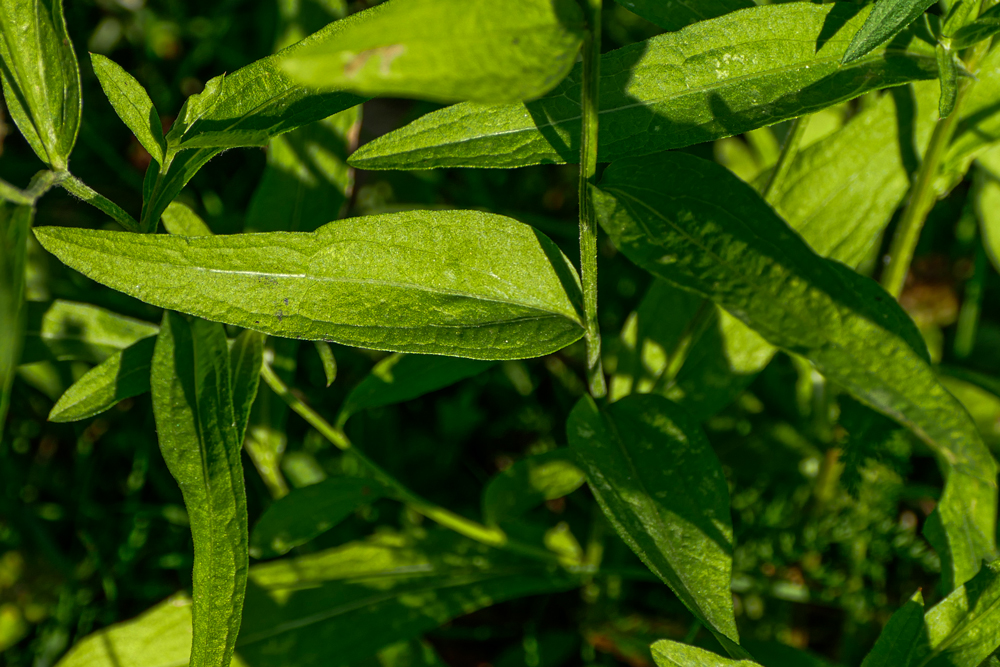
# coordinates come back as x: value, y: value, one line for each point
x: 676, y: 15
x: 132, y: 104
x: 898, y: 642
x: 530, y: 482
x: 674, y: 654
x: 66, y: 330
x: 887, y: 19
x: 179, y: 219
x: 986, y: 26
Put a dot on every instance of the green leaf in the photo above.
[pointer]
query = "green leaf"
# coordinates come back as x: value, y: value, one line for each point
x: 445, y: 282
x: 179, y: 219
x: 40, y: 77
x: 674, y: 654
x: 122, y: 375
x: 447, y: 50
x: 982, y: 405
x: 15, y: 221
x: 309, y: 512
x: 530, y: 482
x: 132, y: 104
x: 675, y: 15
x: 195, y: 422
x: 329, y: 361
x: 948, y: 76
x: 987, y: 203
x: 246, y: 356
x: 403, y: 377
x: 660, y: 484
x: 714, y: 79
x: 71, y: 331
x: 979, y: 127
x: 898, y: 642
x: 696, y: 225
x: 888, y: 18
x: 160, y: 189
x: 963, y: 629
x: 986, y: 26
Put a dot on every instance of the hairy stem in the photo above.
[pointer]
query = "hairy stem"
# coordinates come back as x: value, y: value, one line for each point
x: 588, y: 177
x: 789, y: 149
x: 75, y: 186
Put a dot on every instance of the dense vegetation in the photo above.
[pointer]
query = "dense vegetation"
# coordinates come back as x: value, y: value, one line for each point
x: 499, y: 333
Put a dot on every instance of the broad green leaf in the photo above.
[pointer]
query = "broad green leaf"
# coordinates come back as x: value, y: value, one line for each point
x: 667, y: 653
x: 660, y: 484
x: 986, y: 26
x: 329, y: 361
x: 888, y: 18
x: 195, y: 423
x: 530, y: 482
x: 246, y: 356
x: 898, y: 642
x: 694, y: 224
x: 132, y: 104
x: 439, y: 282
x: 122, y: 375
x: 180, y: 220
x: 70, y: 331
x: 15, y: 221
x: 987, y: 203
x: 403, y: 377
x: 676, y: 15
x: 40, y: 77
x: 447, y: 50
x: 335, y: 607
x: 713, y: 79
x: 982, y: 405
x: 308, y: 512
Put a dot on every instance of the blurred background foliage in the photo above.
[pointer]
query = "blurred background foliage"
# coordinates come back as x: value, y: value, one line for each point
x: 828, y: 500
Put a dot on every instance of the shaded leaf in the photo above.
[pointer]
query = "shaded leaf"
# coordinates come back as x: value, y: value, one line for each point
x: 195, y: 422
x: 246, y: 356
x: 132, y: 104
x: 15, y: 221
x: 122, y: 375
x: 987, y: 203
x: 447, y: 50
x: 309, y: 512
x: 667, y: 653
x: 660, y: 484
x: 676, y: 15
x: 445, y: 282
x: 40, y: 77
x: 898, y: 642
x: 403, y: 377
x: 696, y: 225
x: 986, y: 26
x: 887, y: 19
x: 530, y: 482
x: 70, y: 331
x: 714, y: 79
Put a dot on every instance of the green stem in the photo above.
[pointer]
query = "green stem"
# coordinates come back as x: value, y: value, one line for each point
x: 588, y: 177
x: 75, y: 186
x: 471, y: 529
x: 13, y: 195
x: 789, y: 149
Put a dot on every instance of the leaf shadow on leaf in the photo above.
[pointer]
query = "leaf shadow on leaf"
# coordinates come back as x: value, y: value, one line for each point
x: 563, y: 269
x: 970, y: 123
x: 832, y: 25
x: 906, y: 119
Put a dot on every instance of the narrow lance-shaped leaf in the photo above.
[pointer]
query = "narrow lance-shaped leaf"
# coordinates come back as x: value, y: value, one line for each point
x: 713, y: 79
x: 660, y: 484
x: 694, y: 224
x: 948, y: 76
x: 986, y: 26
x: 667, y: 653
x: 246, y: 357
x: 447, y: 50
x: 900, y: 638
x: 195, y: 422
x: 40, y: 77
x: 329, y: 361
x: 15, y: 221
x: 132, y: 104
x: 887, y: 19
x: 676, y: 15
x: 446, y: 282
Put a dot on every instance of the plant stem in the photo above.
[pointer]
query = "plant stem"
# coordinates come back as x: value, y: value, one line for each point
x: 75, y: 186
x: 590, y: 106
x: 13, y: 195
x: 789, y: 149
x: 471, y: 529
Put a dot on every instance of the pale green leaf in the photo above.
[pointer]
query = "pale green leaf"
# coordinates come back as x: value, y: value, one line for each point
x: 660, y: 484
x: 696, y: 225
x: 40, y: 77
x: 887, y: 19
x: 676, y: 15
x: 447, y: 50
x: 122, y: 375
x: 308, y: 512
x: 982, y: 404
x: 530, y: 482
x: 179, y: 219
x: 978, y: 129
x: 986, y: 26
x: 195, y: 423
x: 329, y: 361
x: 440, y: 282
x: 987, y: 203
x: 246, y: 356
x: 898, y: 642
x: 71, y: 331
x: 403, y: 377
x: 15, y: 221
x: 132, y: 104
x: 667, y: 653
x: 713, y: 79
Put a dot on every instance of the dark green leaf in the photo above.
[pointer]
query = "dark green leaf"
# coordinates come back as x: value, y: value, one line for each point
x: 132, y: 104
x: 898, y: 642
x: 446, y: 50
x: 246, y: 357
x: 674, y: 654
x: 310, y: 511
x: 694, y: 224
x: 15, y: 221
x: 948, y: 76
x: 660, y: 484
x: 403, y: 377
x: 160, y: 189
x: 887, y: 19
x: 530, y: 482
x: 445, y: 282
x: 986, y: 26
x: 40, y: 76
x: 195, y: 422
x: 122, y: 375
x: 329, y: 361
x: 676, y: 15
x: 714, y: 79
x: 179, y: 219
